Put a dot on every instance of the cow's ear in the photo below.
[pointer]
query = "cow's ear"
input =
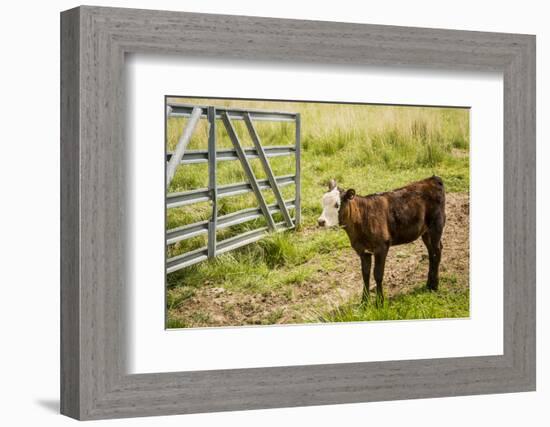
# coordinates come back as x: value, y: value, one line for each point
x: 331, y: 185
x: 350, y: 194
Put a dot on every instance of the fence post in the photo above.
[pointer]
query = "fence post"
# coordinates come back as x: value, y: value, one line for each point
x: 212, y: 184
x: 298, y: 186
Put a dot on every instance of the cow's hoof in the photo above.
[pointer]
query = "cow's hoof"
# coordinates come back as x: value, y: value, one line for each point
x: 379, y: 301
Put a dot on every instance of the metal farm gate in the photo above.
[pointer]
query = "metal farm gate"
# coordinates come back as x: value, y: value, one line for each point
x: 214, y: 192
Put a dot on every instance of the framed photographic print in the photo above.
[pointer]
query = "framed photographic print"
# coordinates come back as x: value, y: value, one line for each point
x: 262, y: 213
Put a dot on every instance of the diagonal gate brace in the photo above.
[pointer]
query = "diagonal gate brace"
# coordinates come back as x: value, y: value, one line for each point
x: 267, y: 168
x: 248, y: 170
x: 182, y: 145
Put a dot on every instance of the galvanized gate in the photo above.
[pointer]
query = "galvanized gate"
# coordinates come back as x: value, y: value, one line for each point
x: 214, y: 192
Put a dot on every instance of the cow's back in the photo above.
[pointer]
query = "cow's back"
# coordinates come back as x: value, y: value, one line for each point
x: 414, y: 208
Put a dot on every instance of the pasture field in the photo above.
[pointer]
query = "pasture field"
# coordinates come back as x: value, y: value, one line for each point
x: 312, y: 274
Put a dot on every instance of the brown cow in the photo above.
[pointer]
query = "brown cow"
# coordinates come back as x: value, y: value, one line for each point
x: 377, y: 221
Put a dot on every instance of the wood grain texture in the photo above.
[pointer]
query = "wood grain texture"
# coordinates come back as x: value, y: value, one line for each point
x: 94, y: 238
x: 69, y: 152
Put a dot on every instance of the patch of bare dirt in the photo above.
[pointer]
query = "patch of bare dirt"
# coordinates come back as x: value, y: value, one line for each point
x: 406, y: 269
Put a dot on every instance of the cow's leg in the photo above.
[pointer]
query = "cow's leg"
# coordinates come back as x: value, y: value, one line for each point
x: 366, y: 261
x: 379, y: 263
x: 428, y: 242
x: 437, y: 249
x: 432, y: 240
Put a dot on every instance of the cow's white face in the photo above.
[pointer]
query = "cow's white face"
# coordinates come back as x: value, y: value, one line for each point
x: 331, y: 206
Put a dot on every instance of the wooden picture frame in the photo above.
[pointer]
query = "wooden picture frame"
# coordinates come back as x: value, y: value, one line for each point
x: 94, y: 41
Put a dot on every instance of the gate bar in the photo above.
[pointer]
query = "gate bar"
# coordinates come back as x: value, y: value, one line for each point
x: 267, y: 168
x: 201, y: 156
x: 189, y: 258
x: 248, y: 170
x: 202, y: 227
x: 182, y: 144
x: 174, y: 200
x: 184, y: 110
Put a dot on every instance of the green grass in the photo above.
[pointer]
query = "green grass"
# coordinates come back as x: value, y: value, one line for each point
x: 275, y: 262
x: 450, y: 301
x: 173, y: 323
x: 369, y: 148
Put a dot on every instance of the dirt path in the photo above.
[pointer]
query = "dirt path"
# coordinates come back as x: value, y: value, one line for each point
x: 406, y: 269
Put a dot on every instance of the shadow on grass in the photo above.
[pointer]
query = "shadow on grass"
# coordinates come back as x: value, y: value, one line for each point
x: 450, y: 301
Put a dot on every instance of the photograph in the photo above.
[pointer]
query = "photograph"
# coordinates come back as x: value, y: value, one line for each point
x: 293, y: 212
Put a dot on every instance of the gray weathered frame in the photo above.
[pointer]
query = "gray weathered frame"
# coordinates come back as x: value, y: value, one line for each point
x: 94, y: 41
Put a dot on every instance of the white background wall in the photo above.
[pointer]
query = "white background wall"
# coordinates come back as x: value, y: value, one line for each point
x: 29, y: 189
